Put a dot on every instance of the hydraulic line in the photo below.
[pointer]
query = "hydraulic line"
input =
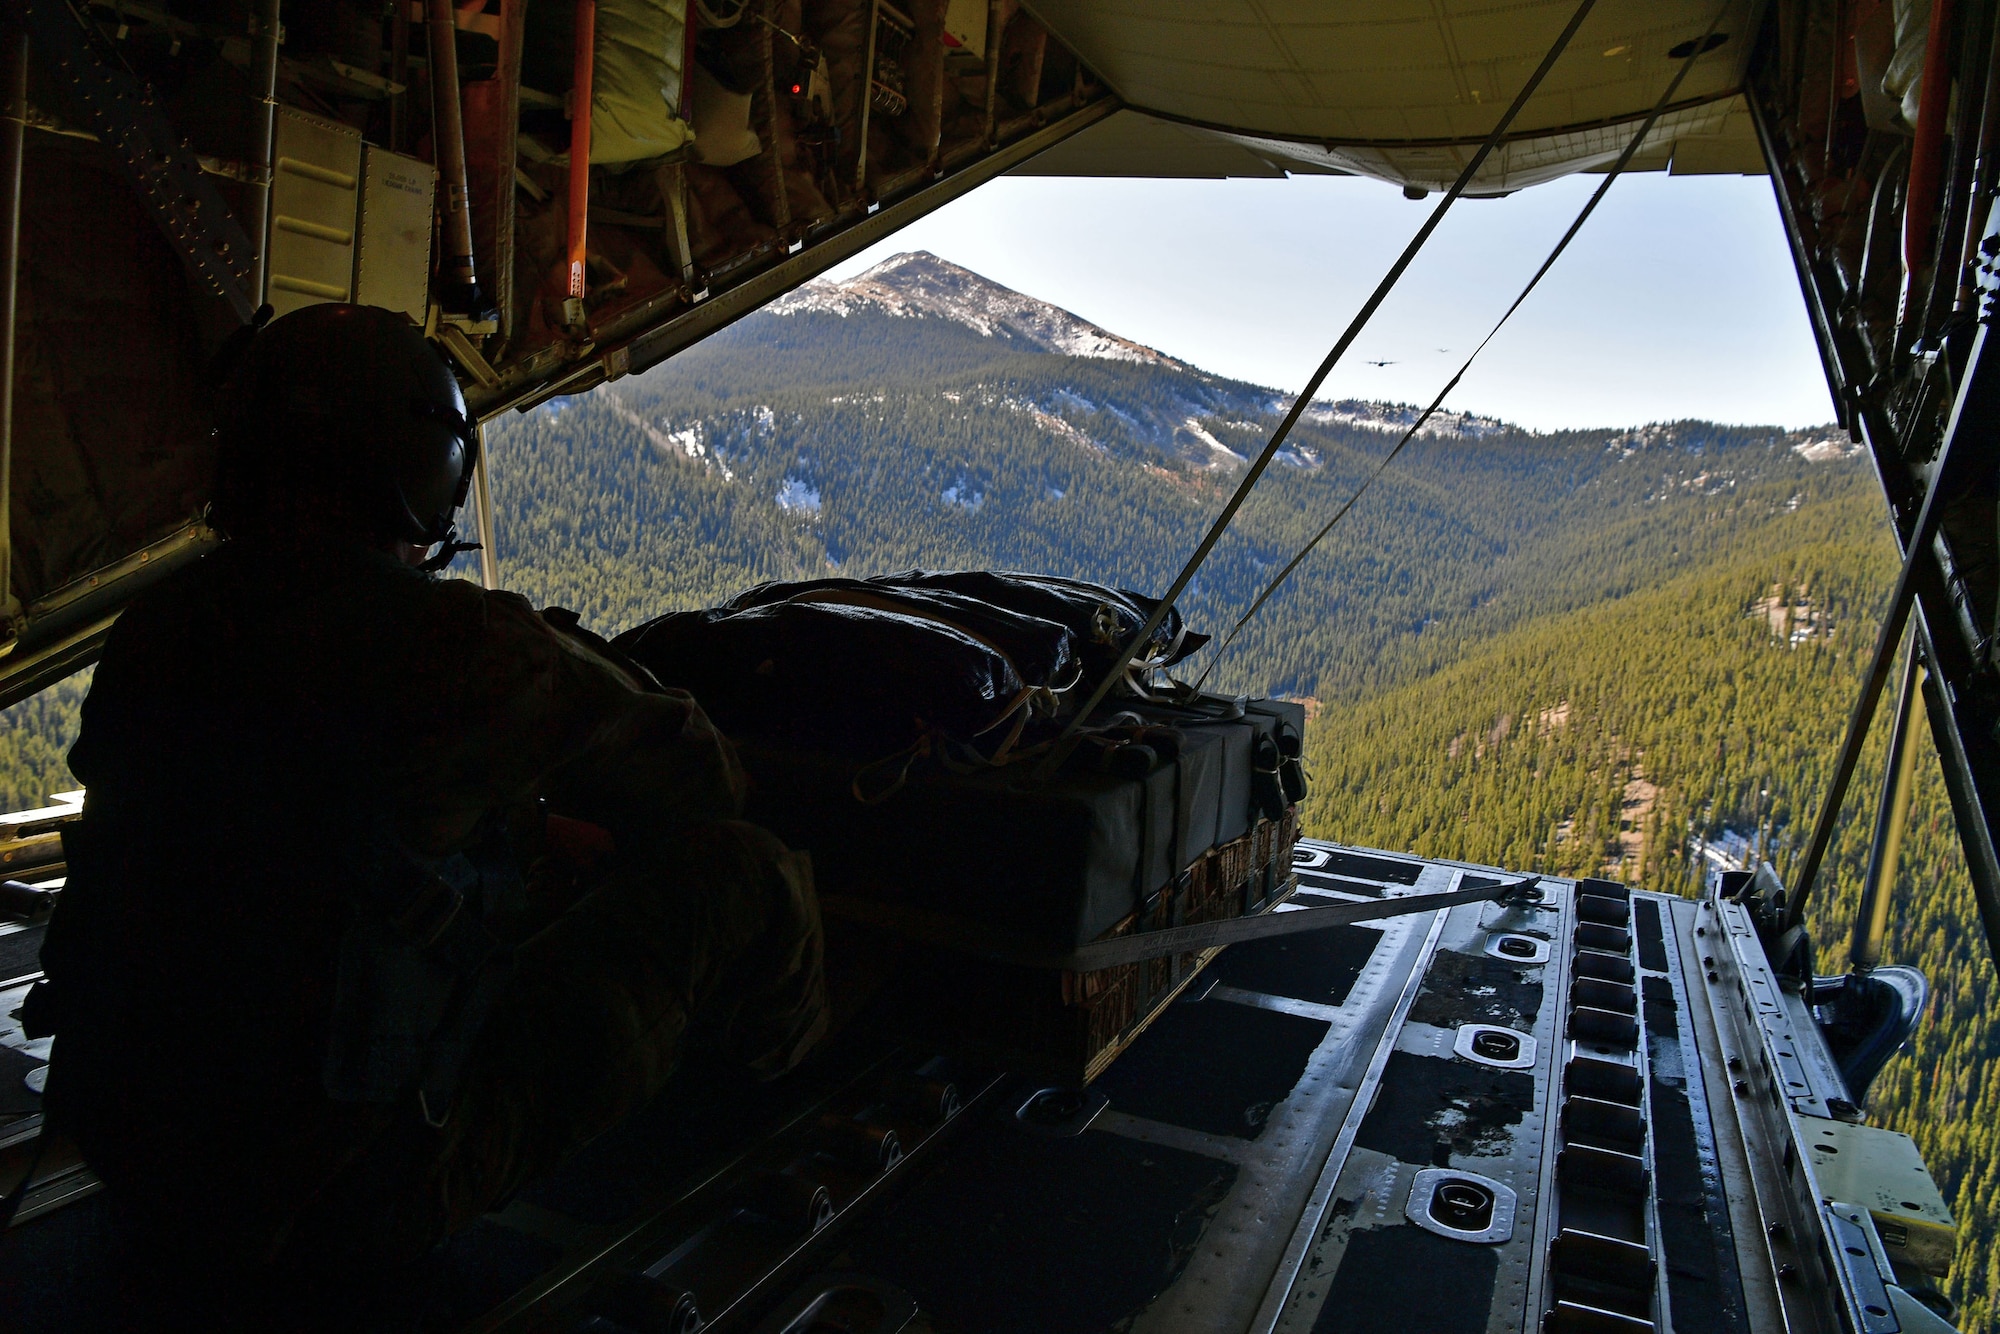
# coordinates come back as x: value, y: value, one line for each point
x: 579, y: 161
x: 1060, y: 750
x: 460, y: 292
x: 1920, y: 206
x: 1597, y: 197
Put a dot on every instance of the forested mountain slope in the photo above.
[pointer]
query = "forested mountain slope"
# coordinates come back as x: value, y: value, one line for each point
x: 1562, y: 652
x: 840, y: 433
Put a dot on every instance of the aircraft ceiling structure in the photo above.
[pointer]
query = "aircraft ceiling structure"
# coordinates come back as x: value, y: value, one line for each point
x: 1403, y: 91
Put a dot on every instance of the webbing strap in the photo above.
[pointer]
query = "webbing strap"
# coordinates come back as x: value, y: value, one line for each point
x: 982, y: 941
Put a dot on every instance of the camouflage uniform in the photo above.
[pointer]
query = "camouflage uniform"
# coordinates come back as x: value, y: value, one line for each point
x: 270, y: 728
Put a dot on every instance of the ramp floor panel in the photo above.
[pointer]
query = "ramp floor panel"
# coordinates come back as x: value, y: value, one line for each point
x: 1471, y: 1119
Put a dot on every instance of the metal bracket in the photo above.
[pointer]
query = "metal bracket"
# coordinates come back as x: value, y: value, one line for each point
x: 465, y: 354
x: 161, y: 167
x: 1802, y: 1085
x: 1868, y: 1295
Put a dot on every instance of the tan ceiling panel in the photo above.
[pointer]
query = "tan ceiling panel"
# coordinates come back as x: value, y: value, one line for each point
x: 1531, y: 161
x: 1409, y: 44
x: 1375, y: 75
x: 1166, y: 47
x: 1131, y: 144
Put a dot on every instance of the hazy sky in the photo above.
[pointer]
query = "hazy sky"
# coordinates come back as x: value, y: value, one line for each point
x: 1677, y: 300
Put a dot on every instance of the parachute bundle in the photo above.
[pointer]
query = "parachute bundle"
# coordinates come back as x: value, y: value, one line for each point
x: 960, y: 664
x: 881, y: 720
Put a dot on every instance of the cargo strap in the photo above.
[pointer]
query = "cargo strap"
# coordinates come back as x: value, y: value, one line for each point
x: 975, y: 938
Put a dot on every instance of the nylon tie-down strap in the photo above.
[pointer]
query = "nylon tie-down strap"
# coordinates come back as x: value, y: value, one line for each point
x: 966, y: 937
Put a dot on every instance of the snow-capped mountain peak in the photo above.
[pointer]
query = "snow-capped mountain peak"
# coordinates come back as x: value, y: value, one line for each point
x: 917, y: 284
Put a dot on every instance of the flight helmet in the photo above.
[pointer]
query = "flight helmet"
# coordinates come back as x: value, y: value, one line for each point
x: 342, y: 417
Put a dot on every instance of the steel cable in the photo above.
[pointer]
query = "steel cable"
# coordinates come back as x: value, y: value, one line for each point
x: 1590, y: 206
x: 1060, y: 750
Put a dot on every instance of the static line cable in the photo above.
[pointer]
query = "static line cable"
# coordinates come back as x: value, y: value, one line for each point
x: 1059, y: 751
x: 1597, y: 197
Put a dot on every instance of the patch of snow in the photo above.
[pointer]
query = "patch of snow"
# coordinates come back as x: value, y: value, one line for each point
x: 1131, y: 423
x: 691, y: 440
x: 1731, y: 850
x: 798, y: 496
x: 1195, y: 429
x: 918, y: 285
x: 964, y: 495
x: 1397, y: 417
x: 1826, y: 449
x: 1054, y: 425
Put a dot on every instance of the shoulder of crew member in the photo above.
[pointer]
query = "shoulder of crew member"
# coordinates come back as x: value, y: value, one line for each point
x: 518, y: 708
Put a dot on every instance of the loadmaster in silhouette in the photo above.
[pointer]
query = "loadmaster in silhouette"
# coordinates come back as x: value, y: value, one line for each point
x: 389, y: 892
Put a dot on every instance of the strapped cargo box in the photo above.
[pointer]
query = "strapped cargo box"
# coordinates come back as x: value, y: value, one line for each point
x: 996, y: 855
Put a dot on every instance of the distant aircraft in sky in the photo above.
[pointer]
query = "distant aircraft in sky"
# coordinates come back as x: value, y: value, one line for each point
x: 1373, y: 362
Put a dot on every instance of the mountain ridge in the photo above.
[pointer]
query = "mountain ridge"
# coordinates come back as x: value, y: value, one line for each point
x: 917, y: 284
x: 916, y: 323
x: 853, y: 435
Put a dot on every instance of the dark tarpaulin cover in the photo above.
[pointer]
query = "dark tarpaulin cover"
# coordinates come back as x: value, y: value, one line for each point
x: 860, y: 681
x: 1041, y: 651
x: 1103, y: 619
